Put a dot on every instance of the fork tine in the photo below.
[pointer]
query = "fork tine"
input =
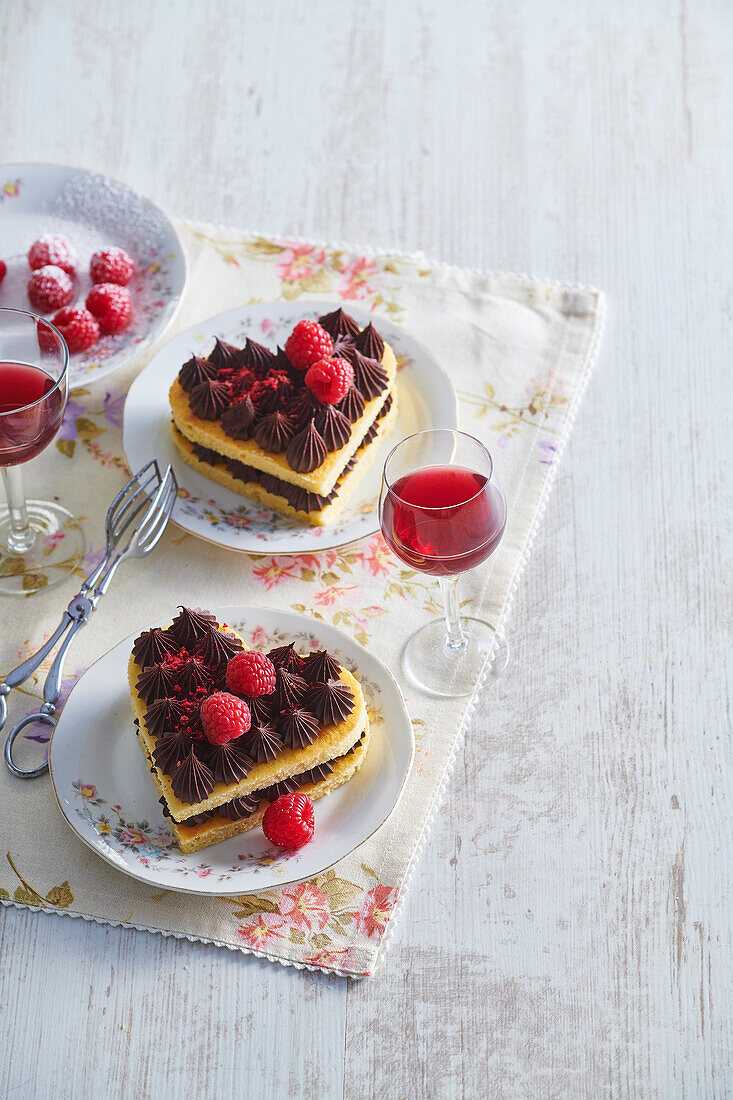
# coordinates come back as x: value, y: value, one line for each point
x: 151, y: 537
x: 139, y: 501
x: 129, y: 491
x: 158, y: 505
x: 124, y: 492
x: 131, y: 506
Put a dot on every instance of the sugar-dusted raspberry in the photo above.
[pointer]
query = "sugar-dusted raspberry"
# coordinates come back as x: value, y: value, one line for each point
x: 3, y: 270
x: 308, y: 343
x: 289, y: 821
x: 330, y: 380
x: 111, y: 265
x: 111, y: 305
x: 52, y: 249
x: 250, y: 673
x: 224, y: 717
x: 78, y: 328
x: 49, y: 288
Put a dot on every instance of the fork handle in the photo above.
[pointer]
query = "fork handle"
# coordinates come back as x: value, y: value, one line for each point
x: 51, y: 692
x: 52, y: 686
x: 22, y: 671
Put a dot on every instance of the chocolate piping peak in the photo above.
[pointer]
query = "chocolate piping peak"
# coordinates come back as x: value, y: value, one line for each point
x: 321, y: 667
x: 286, y: 656
x: 169, y: 750
x: 237, y: 421
x: 230, y: 763
x: 300, y: 728
x: 194, y: 371
x: 370, y: 343
x: 192, y: 781
x: 338, y: 324
x: 192, y: 675
x: 218, y: 647
x: 209, y: 399
x: 163, y: 716
x: 223, y: 355
x: 306, y: 450
x: 262, y: 743
x: 352, y: 405
x: 290, y: 689
x: 273, y: 393
x: 281, y: 361
x: 256, y: 356
x: 191, y: 624
x: 154, y: 683
x: 331, y: 702
x: 370, y: 377
x: 274, y: 432
x: 152, y: 645
x: 334, y: 426
x: 260, y: 708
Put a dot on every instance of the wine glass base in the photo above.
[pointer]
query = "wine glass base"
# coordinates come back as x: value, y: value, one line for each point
x: 57, y: 549
x: 433, y: 666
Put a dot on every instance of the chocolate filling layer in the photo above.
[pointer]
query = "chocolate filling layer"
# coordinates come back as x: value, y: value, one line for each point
x: 297, y: 498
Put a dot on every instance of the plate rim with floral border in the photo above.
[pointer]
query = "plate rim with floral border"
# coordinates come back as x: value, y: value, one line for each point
x: 351, y: 650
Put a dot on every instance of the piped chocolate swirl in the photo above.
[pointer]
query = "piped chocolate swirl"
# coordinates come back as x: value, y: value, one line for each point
x: 152, y: 645
x: 195, y: 371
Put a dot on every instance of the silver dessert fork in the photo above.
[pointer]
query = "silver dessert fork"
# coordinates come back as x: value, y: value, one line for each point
x: 136, y: 519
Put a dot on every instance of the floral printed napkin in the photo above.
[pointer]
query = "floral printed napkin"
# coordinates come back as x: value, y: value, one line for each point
x: 519, y: 352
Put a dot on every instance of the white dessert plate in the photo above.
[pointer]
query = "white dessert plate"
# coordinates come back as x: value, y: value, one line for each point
x: 107, y: 795
x: 208, y: 510
x: 92, y: 211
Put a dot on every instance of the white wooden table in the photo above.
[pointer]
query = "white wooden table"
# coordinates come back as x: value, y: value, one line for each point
x: 569, y: 931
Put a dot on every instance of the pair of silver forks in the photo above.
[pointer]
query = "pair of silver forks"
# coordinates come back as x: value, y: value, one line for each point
x: 136, y: 519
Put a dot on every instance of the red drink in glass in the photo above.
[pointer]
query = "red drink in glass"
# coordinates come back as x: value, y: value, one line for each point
x: 27, y: 421
x: 40, y: 541
x: 442, y: 512
x: 443, y: 519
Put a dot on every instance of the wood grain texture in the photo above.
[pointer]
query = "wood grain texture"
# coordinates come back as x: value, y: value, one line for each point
x: 568, y: 933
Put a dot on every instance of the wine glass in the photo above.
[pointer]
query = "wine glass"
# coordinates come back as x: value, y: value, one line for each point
x: 442, y: 511
x: 40, y: 542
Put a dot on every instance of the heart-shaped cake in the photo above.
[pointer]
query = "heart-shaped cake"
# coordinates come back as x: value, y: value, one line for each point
x: 293, y: 430
x: 226, y: 730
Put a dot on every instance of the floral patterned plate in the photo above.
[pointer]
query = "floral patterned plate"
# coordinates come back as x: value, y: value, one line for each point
x: 426, y: 400
x: 92, y: 211
x: 106, y: 793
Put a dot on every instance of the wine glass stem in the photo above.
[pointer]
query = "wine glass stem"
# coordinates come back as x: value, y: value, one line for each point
x: 454, y: 638
x: 21, y: 536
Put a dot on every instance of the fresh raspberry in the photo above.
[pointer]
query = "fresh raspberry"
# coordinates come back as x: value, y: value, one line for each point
x: 224, y: 717
x: 111, y: 265
x: 289, y: 821
x: 330, y: 380
x: 111, y: 305
x: 250, y: 673
x: 52, y: 249
x: 78, y: 328
x: 49, y: 288
x: 3, y: 270
x: 308, y: 343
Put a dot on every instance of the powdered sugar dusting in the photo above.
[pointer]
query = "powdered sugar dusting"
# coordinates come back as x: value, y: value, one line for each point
x: 92, y: 212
